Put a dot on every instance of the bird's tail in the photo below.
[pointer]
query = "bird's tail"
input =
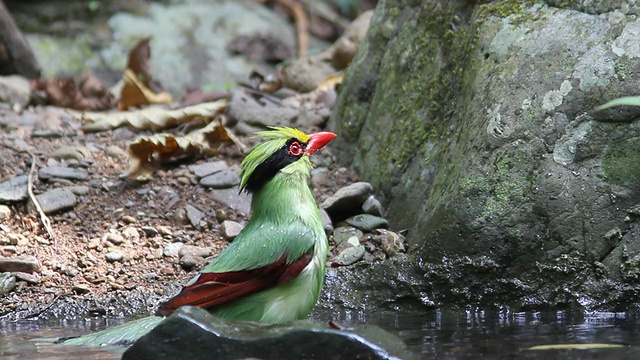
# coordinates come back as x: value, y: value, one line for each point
x: 124, y: 334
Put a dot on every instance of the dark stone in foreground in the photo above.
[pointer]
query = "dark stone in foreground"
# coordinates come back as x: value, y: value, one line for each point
x: 193, y: 333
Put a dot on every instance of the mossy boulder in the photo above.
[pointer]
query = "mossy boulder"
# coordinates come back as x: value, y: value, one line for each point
x: 475, y: 123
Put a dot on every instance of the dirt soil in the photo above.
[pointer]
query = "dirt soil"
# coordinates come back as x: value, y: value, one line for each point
x: 76, y: 279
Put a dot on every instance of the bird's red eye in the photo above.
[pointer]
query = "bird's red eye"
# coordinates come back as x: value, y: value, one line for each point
x: 295, y: 149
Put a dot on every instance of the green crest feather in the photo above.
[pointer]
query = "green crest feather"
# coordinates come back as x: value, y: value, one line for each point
x: 274, y: 140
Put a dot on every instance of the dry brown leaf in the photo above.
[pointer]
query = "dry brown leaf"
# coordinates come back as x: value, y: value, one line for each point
x: 148, y: 152
x: 136, y: 93
x: 140, y: 61
x: 151, y: 118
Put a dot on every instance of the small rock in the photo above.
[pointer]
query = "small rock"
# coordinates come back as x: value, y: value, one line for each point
x: 7, y: 283
x: 197, y: 251
x: 115, y: 239
x: 131, y: 233
x: 5, y: 212
x: 194, y: 215
x: 80, y: 289
x: 14, y: 190
x: 230, y: 197
x: 115, y: 152
x: 172, y: 250
x: 164, y: 230
x: 32, y: 279
x: 188, y: 262
x: 349, y: 256
x: 180, y: 216
x: 9, y: 249
x: 79, y: 190
x: 15, y: 90
x: 77, y: 152
x: 128, y: 219
x: 347, y: 201
x: 372, y: 206
x: 114, y: 256
x: 221, y: 180
x: 24, y: 263
x: 56, y: 200
x: 183, y: 180
x: 221, y: 215
x: 326, y: 222
x: 208, y: 168
x: 62, y: 172
x: 344, y: 233
x: 366, y: 222
x: 230, y: 229
x: 149, y: 230
x: 93, y: 244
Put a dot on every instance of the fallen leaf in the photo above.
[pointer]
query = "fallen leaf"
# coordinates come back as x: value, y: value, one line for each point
x: 150, y: 118
x: 136, y: 93
x: 588, y: 346
x: 140, y: 61
x: 148, y: 152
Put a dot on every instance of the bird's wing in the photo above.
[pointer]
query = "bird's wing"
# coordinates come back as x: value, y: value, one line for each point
x: 261, y: 257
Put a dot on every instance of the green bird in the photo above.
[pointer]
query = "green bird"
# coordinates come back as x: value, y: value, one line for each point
x: 274, y: 269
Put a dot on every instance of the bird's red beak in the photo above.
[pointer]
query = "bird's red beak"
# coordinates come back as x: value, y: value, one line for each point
x: 318, y: 141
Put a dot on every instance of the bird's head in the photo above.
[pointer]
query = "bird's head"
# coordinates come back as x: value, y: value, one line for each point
x: 281, y: 147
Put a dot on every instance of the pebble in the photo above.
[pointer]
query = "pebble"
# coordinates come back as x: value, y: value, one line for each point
x: 128, y: 219
x: 32, y: 279
x: 221, y: 180
x: 319, y: 176
x: 77, y: 152
x: 230, y: 229
x: 347, y: 200
x: 79, y: 190
x: 14, y: 189
x: 114, y: 256
x: 197, y: 251
x: 115, y: 239
x: 221, y: 215
x: 7, y: 283
x: 62, y: 172
x: 194, y: 215
x: 5, y: 212
x: 372, y: 206
x: 208, y: 168
x: 131, y: 233
x: 349, y: 255
x: 188, y: 262
x: 15, y: 90
x: 367, y: 223
x: 172, y: 250
x: 115, y: 152
x: 183, y: 180
x: 56, y: 200
x: 164, y: 230
x: 344, y: 233
x: 80, y: 289
x: 149, y: 230
x: 93, y: 244
x: 24, y: 263
x: 230, y: 197
x: 326, y: 222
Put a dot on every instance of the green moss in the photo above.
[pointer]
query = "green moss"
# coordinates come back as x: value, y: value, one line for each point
x: 621, y: 162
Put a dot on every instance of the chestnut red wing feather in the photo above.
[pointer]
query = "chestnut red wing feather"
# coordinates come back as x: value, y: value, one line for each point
x: 213, y: 289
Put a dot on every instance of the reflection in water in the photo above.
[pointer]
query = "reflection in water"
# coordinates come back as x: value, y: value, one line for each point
x: 492, y: 334
x: 438, y: 334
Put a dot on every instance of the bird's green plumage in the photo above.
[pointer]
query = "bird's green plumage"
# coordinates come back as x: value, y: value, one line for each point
x: 285, y: 220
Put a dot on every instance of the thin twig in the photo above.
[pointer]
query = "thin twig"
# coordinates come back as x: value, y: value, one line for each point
x: 302, y: 23
x: 43, y: 217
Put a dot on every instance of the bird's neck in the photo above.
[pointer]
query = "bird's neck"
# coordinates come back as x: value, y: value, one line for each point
x: 286, y: 196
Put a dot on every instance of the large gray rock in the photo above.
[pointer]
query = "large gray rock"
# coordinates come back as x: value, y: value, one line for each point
x: 475, y: 125
x: 193, y: 333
